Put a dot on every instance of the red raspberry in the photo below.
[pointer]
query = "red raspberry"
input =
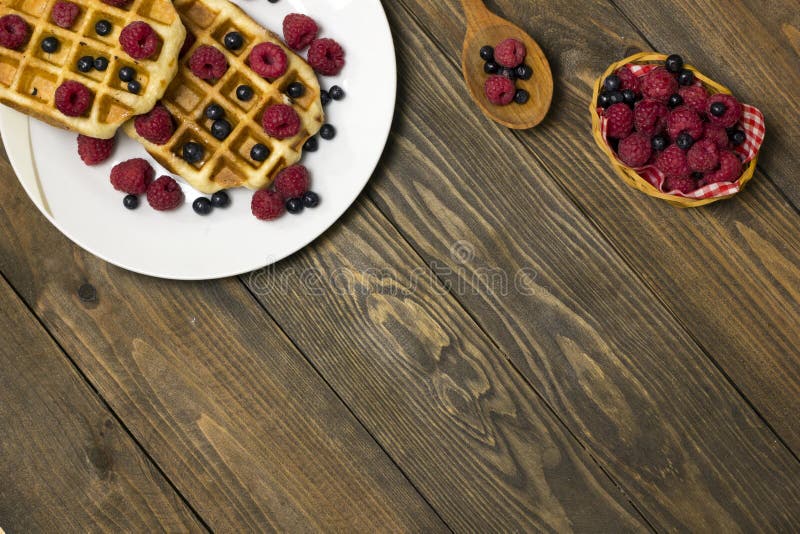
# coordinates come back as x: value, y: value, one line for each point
x: 14, y: 32
x: 672, y: 162
x: 267, y: 205
x: 510, y: 53
x: 132, y: 176
x: 684, y: 184
x: 188, y: 41
x: 684, y: 119
x: 208, y: 63
x: 268, y: 60
x: 650, y: 116
x: 499, y: 90
x: 139, y: 40
x: 326, y: 56
x: 635, y: 150
x: 117, y: 3
x: 659, y: 84
x: 629, y: 80
x: 716, y: 134
x: 73, y: 98
x: 733, y: 110
x: 280, y: 121
x: 64, y: 13
x: 619, y: 121
x: 730, y: 168
x: 695, y: 97
x: 703, y: 156
x: 292, y: 182
x: 299, y: 30
x: 93, y: 151
x: 155, y: 126
x: 164, y: 194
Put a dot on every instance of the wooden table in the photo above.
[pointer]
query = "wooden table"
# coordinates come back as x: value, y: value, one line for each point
x: 639, y: 368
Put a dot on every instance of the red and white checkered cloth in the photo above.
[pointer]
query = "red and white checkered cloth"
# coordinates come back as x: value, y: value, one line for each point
x: 752, y: 124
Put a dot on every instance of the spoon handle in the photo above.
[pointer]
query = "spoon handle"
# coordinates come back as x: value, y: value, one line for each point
x: 474, y: 10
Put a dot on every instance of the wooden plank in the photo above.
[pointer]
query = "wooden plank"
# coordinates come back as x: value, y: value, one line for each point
x: 236, y: 418
x: 66, y: 464
x: 727, y: 271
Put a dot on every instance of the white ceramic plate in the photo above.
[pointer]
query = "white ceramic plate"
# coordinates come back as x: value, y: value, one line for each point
x: 80, y: 201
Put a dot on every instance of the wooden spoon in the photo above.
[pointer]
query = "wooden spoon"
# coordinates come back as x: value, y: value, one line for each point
x: 486, y: 28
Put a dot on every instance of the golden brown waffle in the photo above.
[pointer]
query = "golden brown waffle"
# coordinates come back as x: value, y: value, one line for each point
x: 228, y: 163
x: 30, y: 77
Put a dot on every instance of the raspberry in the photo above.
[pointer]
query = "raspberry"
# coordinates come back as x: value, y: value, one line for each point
x: 299, y: 30
x: 14, y: 32
x: 208, y: 63
x: 64, y: 13
x: 733, y: 110
x: 93, y: 151
x: 730, y: 168
x: 716, y: 134
x: 280, y: 121
x: 164, y: 194
x: 619, y: 121
x: 635, y: 150
x: 326, y: 56
x: 155, y: 126
x: 650, y: 116
x: 629, y: 80
x: 703, y: 156
x: 499, y: 90
x: 188, y: 41
x: 267, y: 205
x: 510, y: 53
x: 117, y: 3
x: 292, y: 182
x: 695, y: 97
x: 139, y: 40
x: 672, y: 162
x: 684, y: 184
x: 684, y: 119
x: 73, y: 98
x: 268, y: 60
x: 132, y: 176
x: 659, y: 84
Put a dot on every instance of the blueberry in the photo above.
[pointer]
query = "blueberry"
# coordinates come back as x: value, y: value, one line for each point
x: 100, y: 63
x: 674, y: 63
x: 684, y: 141
x: 524, y: 72
x: 259, y: 152
x: 244, y: 93
x: 296, y: 90
x: 193, y: 152
x: 102, y: 27
x: 126, y: 74
x: 718, y: 109
x: 220, y: 199
x: 214, y: 112
x: 294, y: 205
x: 686, y: 77
x: 325, y: 97
x: 134, y: 86
x: 628, y: 96
x: 86, y: 63
x: 202, y: 206
x: 327, y: 131
x: 612, y: 83
x: 131, y: 202
x: 221, y: 129
x: 487, y: 53
x: 336, y: 92
x: 50, y: 44
x: 697, y: 175
x: 311, y: 199
x: 233, y: 40
x: 603, y: 100
x: 508, y: 73
x: 675, y: 100
x: 521, y: 96
x: 659, y: 142
x: 490, y: 67
x: 615, y: 97
x: 311, y: 145
x: 737, y: 137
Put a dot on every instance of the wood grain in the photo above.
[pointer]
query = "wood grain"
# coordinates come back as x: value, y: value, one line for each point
x: 66, y: 464
x: 224, y: 404
x: 725, y: 271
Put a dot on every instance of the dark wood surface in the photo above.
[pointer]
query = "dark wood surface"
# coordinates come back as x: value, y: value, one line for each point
x: 638, y: 370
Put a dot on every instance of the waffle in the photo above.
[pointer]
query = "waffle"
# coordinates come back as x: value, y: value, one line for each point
x: 227, y: 163
x: 30, y: 77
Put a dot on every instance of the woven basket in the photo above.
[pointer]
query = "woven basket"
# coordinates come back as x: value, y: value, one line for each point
x: 630, y: 176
